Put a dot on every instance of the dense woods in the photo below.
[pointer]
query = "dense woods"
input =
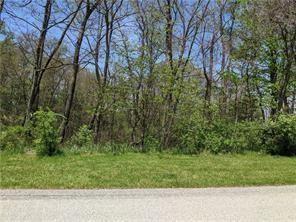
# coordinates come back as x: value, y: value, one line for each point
x: 190, y: 75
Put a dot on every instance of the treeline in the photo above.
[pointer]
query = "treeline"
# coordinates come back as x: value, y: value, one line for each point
x: 187, y: 74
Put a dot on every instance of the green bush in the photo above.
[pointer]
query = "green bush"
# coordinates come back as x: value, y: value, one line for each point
x: 151, y: 144
x: 46, y: 133
x: 250, y: 135
x: 13, y: 139
x: 83, y: 137
x: 192, y: 139
x: 279, y: 136
x: 234, y: 137
x: 190, y: 134
x: 218, y: 137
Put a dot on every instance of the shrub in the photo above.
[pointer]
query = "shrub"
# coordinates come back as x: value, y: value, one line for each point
x: 83, y: 137
x: 234, y: 137
x: 250, y: 135
x: 217, y: 133
x: 46, y: 133
x: 13, y: 139
x: 279, y: 136
x: 190, y: 134
x: 151, y: 144
x: 218, y: 137
x: 192, y: 139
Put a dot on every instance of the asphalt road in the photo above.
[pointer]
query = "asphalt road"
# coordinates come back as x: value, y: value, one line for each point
x: 209, y: 204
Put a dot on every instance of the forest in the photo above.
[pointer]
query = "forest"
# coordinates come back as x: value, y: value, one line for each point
x: 187, y: 76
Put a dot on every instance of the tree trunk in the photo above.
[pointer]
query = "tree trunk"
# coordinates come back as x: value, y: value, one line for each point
x: 39, y: 70
x: 75, y: 67
x: 32, y: 105
x: 209, y: 80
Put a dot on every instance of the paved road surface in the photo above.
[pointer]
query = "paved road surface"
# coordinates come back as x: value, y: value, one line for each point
x: 210, y: 204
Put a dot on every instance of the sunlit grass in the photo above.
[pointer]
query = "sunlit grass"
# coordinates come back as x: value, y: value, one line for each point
x: 132, y: 170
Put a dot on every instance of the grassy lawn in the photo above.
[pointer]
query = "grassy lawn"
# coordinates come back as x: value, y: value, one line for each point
x: 144, y: 171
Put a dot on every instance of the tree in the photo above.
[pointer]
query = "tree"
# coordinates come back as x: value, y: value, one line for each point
x: 39, y: 67
x: 109, y: 12
x: 89, y: 9
x: 177, y: 63
x: 271, y: 38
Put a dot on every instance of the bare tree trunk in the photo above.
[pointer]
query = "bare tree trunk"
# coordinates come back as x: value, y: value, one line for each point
x: 226, y: 41
x: 282, y: 97
x: 236, y: 103
x: 39, y: 69
x: 169, y: 32
x: 34, y: 95
x: 171, y: 10
x: 1, y: 9
x: 208, y: 72
x: 108, y: 35
x: 273, y: 80
x: 109, y: 18
x: 208, y: 94
x: 223, y: 62
x: 75, y: 67
x: 98, y: 128
x: 169, y: 57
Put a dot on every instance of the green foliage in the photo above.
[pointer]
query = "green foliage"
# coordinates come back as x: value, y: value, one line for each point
x: 195, y: 136
x: 152, y: 144
x: 46, y: 133
x: 13, y: 139
x: 226, y: 137
x: 15, y: 81
x: 146, y: 100
x: 83, y: 137
x: 192, y: 138
x: 249, y: 134
x: 279, y: 136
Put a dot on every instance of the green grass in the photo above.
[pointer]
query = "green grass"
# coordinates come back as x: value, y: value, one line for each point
x: 134, y: 170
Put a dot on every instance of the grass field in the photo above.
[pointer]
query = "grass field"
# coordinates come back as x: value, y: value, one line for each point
x: 134, y: 170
